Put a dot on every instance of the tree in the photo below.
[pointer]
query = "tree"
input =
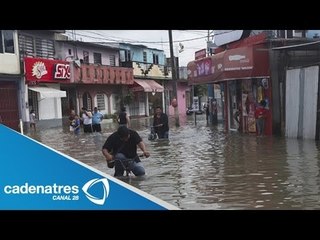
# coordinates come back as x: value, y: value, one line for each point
x: 127, y: 100
x: 200, y: 90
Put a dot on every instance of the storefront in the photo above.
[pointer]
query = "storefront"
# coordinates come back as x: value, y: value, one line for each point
x: 245, y: 76
x: 143, y: 102
x: 43, y: 78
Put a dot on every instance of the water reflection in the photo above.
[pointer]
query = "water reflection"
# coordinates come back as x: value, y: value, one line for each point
x: 205, y: 167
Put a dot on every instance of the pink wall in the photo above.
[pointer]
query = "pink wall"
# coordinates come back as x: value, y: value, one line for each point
x: 182, y: 87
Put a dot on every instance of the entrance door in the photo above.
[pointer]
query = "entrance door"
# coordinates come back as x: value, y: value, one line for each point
x: 87, y: 101
x: 233, y: 106
x: 9, y: 110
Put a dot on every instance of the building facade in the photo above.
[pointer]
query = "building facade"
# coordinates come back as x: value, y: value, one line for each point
x: 279, y: 66
x: 43, y: 75
x: 97, y: 79
x: 150, y: 74
x: 244, y: 74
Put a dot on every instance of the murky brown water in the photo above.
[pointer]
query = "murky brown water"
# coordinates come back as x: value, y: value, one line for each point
x: 204, y: 167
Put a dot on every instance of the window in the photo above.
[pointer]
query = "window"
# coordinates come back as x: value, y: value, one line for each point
x: 45, y: 48
x: 112, y: 60
x: 26, y: 46
x: 155, y: 59
x: 100, y: 101
x: 86, y: 101
x: 6, y: 41
x: 97, y: 58
x: 128, y: 55
x: 86, y: 57
x: 36, y: 47
x: 144, y: 56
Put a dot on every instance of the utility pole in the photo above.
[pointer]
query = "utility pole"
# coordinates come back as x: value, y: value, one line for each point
x: 210, y: 87
x: 174, y: 80
x: 208, y: 42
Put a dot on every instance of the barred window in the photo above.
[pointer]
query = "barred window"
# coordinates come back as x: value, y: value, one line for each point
x: 100, y: 101
x: 145, y: 57
x: 112, y: 60
x: 26, y: 46
x: 45, y: 48
x: 36, y: 47
x: 97, y: 58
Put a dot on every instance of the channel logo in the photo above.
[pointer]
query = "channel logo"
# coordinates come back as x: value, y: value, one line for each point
x: 105, y: 188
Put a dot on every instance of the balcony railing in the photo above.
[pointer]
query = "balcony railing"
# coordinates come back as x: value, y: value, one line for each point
x: 98, y: 74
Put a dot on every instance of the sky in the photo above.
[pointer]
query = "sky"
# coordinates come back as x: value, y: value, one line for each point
x: 191, y: 40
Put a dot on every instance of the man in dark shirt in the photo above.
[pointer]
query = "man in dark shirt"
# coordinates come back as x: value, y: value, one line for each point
x: 120, y: 147
x: 123, y: 118
x: 161, y: 123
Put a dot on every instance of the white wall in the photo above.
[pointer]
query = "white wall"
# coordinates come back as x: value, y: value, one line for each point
x: 50, y: 108
x: 292, y: 103
x: 301, y: 102
x: 105, y: 53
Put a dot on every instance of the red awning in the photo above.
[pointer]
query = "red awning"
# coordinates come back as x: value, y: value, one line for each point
x: 146, y: 86
x: 237, y: 63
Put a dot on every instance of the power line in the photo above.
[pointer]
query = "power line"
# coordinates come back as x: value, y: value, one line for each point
x: 137, y: 41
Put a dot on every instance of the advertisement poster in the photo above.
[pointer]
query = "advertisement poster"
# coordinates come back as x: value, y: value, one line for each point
x: 251, y: 119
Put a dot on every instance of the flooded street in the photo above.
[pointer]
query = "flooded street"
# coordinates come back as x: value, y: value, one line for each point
x: 205, y: 167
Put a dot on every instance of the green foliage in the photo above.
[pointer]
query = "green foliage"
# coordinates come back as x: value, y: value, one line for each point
x: 110, y: 116
x: 128, y: 99
x: 201, y: 90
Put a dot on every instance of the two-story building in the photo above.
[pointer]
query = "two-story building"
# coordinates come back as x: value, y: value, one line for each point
x: 43, y: 74
x: 97, y: 80
x: 150, y: 74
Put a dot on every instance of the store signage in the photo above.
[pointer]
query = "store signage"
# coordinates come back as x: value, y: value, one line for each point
x: 46, y: 70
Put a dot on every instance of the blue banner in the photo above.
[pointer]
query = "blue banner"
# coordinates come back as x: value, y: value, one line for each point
x: 36, y: 177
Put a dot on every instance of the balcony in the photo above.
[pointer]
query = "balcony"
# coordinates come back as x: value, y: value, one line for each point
x: 98, y: 74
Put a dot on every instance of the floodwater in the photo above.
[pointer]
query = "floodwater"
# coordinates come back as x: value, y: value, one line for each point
x: 205, y: 167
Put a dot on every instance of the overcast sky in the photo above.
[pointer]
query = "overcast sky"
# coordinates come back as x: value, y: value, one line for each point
x: 192, y: 40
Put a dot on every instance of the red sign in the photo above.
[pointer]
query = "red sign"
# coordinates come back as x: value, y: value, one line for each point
x: 237, y: 63
x: 200, y: 54
x: 238, y: 59
x: 46, y: 70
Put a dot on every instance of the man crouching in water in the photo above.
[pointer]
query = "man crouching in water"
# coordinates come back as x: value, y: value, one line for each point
x: 121, y: 147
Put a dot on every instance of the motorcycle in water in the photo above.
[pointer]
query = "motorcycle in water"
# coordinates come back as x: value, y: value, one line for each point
x: 152, y: 135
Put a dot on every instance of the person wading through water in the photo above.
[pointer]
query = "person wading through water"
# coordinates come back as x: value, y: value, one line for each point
x: 120, y: 151
x: 123, y: 118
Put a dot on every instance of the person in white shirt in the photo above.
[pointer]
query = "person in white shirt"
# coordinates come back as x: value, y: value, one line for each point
x: 87, y: 120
